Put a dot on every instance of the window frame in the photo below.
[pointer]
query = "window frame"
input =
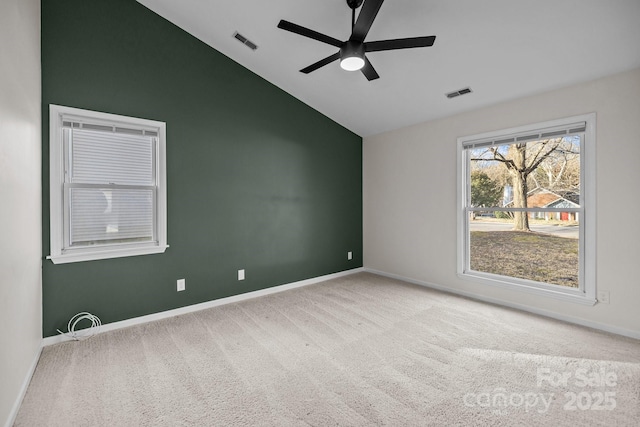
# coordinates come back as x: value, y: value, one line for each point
x: 58, y: 200
x: 586, y: 293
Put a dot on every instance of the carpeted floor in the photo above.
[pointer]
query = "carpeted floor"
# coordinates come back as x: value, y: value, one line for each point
x: 355, y: 351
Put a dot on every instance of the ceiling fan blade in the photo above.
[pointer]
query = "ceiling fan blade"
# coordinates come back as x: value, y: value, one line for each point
x: 295, y: 28
x: 399, y: 43
x: 368, y: 70
x: 365, y: 19
x: 321, y: 63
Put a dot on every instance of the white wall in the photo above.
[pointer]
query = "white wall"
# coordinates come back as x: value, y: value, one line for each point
x: 410, y: 197
x: 20, y: 199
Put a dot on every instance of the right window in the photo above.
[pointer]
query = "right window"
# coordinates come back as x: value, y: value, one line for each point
x: 526, y: 208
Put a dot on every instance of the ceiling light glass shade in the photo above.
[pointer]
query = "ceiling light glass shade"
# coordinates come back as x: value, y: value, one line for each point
x: 352, y: 56
x: 352, y: 63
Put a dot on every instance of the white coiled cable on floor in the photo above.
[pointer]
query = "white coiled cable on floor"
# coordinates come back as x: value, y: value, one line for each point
x: 84, y: 333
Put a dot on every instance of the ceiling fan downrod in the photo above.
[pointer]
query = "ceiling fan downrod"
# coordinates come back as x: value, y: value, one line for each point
x: 354, y: 4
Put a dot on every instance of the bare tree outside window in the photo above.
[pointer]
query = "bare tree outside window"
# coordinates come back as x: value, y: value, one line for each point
x: 557, y: 160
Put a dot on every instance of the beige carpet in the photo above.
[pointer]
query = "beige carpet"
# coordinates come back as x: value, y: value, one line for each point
x: 356, y: 351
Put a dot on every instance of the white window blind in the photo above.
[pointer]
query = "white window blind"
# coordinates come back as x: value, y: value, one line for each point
x: 539, y: 134
x: 108, y: 215
x: 99, y: 157
x: 108, y: 185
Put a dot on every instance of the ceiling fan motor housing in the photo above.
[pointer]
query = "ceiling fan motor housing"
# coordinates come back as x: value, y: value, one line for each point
x: 351, y: 48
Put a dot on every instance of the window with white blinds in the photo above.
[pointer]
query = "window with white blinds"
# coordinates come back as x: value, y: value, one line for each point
x: 108, y: 196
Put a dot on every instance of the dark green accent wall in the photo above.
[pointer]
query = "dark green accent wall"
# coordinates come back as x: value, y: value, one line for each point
x: 256, y: 179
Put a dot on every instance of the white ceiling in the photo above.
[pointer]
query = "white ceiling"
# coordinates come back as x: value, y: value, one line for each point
x: 502, y: 49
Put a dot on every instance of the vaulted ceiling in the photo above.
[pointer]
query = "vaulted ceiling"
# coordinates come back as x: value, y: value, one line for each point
x: 501, y: 49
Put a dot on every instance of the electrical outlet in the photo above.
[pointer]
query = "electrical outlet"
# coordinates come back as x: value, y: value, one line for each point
x: 349, y: 255
x: 181, y: 284
x: 240, y: 274
x: 603, y: 297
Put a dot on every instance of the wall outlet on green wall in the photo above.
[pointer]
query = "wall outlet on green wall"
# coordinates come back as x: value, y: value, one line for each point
x: 181, y: 284
x: 240, y: 274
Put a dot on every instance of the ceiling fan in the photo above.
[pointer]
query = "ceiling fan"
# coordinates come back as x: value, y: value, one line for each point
x: 352, y: 52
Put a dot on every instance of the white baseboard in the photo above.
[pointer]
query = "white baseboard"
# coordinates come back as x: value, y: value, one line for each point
x: 558, y: 316
x: 23, y: 389
x: 203, y: 306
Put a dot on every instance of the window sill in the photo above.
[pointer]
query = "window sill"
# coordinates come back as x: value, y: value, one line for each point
x: 106, y: 254
x: 570, y: 295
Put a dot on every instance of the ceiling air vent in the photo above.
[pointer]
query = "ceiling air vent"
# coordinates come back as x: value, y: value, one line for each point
x: 245, y: 41
x: 464, y: 91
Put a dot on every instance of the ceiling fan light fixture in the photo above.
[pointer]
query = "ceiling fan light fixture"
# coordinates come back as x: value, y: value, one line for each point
x: 352, y: 63
x: 352, y: 56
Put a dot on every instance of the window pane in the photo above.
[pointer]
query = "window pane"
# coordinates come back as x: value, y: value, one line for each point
x: 111, y: 158
x: 110, y: 216
x: 528, y: 174
x: 549, y: 253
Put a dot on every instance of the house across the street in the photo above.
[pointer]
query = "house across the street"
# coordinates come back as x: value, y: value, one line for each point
x: 542, y: 198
